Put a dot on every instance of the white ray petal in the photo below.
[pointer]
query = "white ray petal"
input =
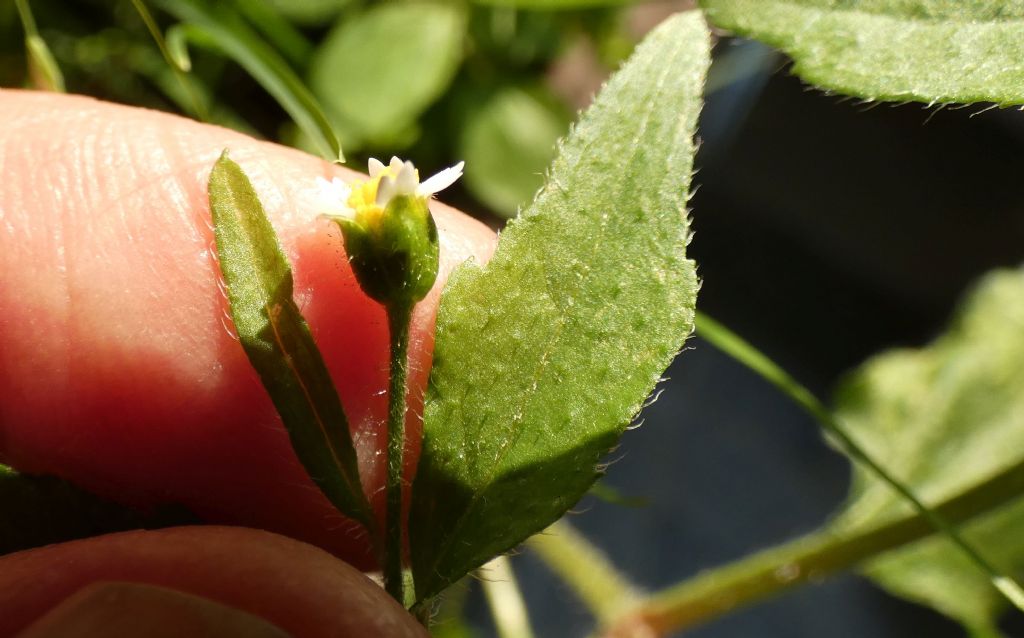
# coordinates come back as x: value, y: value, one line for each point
x: 331, y: 197
x: 375, y: 167
x: 407, y: 180
x: 441, y: 180
x: 385, y: 190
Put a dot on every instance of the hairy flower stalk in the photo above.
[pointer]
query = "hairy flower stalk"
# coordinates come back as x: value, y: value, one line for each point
x: 392, y: 246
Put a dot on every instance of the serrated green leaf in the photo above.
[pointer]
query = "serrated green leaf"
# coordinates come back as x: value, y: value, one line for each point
x: 922, y: 50
x: 507, y: 144
x: 946, y: 417
x: 219, y: 27
x: 543, y: 357
x: 278, y: 342
x: 40, y: 510
x: 377, y: 71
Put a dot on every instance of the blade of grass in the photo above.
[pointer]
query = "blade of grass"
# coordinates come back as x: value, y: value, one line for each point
x: 235, y: 39
x: 43, y: 69
x: 280, y: 34
x: 180, y: 65
x: 736, y: 347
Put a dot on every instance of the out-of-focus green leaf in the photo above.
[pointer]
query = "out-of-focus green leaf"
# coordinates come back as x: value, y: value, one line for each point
x: 556, y: 5
x: 236, y: 40
x: 377, y: 71
x: 40, y: 510
x: 507, y: 143
x: 943, y: 418
x: 309, y: 12
x: 43, y: 70
x: 544, y: 356
x: 280, y: 34
x: 278, y: 342
x: 923, y: 50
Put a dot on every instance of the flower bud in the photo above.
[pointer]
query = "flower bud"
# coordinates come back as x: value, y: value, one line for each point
x: 390, y: 236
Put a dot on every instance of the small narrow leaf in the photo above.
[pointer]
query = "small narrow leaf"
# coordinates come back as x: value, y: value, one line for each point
x: 543, y: 357
x: 278, y: 341
x: 922, y: 50
x: 947, y: 416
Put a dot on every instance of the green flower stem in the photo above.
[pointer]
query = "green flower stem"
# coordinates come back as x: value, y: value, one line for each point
x: 504, y: 599
x: 734, y: 345
x: 597, y: 583
x: 398, y: 330
x: 806, y: 560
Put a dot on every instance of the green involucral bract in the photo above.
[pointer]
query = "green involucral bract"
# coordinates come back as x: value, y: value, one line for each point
x: 946, y: 417
x: 278, y: 342
x: 543, y: 357
x: 923, y: 50
x: 395, y: 257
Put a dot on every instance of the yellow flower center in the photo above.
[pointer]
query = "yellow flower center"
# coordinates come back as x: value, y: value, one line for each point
x: 363, y: 199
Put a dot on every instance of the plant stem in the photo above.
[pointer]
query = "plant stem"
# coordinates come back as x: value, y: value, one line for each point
x: 734, y: 345
x: 503, y: 597
x: 198, y: 109
x: 597, y: 582
x: 806, y: 560
x: 394, y: 543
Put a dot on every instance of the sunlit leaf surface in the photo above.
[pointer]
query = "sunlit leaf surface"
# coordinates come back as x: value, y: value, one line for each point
x: 923, y: 50
x: 544, y: 356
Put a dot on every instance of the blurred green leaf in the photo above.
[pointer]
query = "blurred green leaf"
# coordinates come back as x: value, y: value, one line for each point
x: 923, y: 50
x: 280, y: 34
x: 40, y: 510
x: 278, y: 342
x: 309, y: 12
x: 508, y: 143
x: 544, y: 356
x: 43, y: 71
x: 377, y: 71
x: 556, y: 5
x: 946, y: 417
x: 236, y: 40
